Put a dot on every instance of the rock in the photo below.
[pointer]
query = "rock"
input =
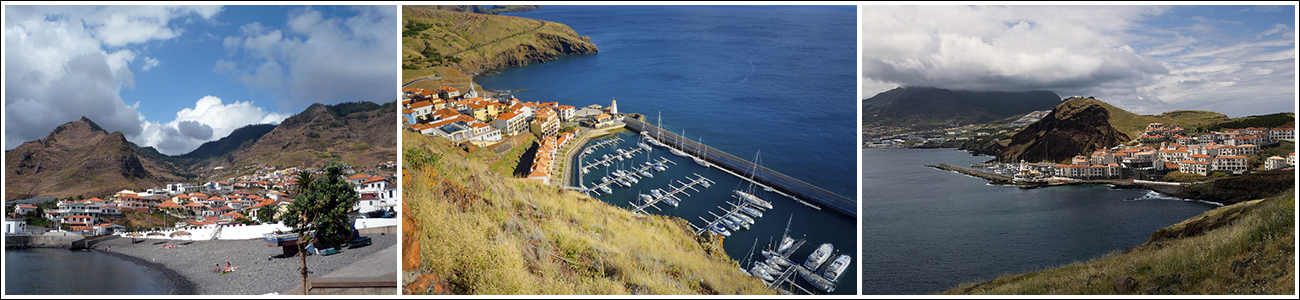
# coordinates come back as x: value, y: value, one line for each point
x: 1239, y: 267
x: 1168, y: 280
x: 1126, y: 285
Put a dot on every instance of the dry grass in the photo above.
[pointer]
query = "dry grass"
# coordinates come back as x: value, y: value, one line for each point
x: 487, y: 234
x: 1254, y: 253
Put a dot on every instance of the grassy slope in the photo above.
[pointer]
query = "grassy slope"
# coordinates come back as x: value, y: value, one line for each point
x: 1245, y: 248
x: 484, y: 233
x: 481, y: 41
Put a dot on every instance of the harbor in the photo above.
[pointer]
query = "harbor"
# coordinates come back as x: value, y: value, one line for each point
x: 715, y: 205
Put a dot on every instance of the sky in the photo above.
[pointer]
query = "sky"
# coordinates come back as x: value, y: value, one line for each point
x: 1235, y: 60
x: 174, y: 77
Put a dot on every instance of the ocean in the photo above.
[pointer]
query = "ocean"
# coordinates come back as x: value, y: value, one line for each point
x: 742, y: 79
x: 49, y: 271
x: 926, y: 230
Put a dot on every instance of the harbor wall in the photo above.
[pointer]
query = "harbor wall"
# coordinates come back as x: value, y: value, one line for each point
x: 776, y: 180
x: 41, y: 241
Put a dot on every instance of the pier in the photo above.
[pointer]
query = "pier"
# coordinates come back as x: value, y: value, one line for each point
x: 672, y: 192
x: 735, y: 209
x: 802, y: 192
x: 632, y: 173
x: 612, y: 158
x: 994, y: 178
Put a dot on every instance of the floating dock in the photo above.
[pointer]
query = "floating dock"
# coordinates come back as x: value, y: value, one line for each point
x: 802, y: 192
x: 672, y: 192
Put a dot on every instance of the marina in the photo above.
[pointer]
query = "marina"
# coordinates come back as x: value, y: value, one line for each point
x: 671, y: 194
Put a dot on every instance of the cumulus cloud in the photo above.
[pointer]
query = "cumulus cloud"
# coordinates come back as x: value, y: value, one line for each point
x: 209, y: 119
x: 1103, y: 51
x: 315, y: 58
x: 149, y: 63
x: 65, y: 62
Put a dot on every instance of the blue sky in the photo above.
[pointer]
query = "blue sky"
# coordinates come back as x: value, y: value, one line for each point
x: 1236, y: 60
x: 173, y: 77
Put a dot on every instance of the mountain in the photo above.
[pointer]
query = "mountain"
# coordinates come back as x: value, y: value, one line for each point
x: 237, y: 139
x: 358, y: 133
x: 924, y: 108
x: 1246, y: 248
x: 1080, y: 125
x: 80, y: 158
x: 473, y: 43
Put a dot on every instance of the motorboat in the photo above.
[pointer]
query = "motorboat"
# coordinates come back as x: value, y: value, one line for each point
x: 631, y: 179
x: 705, y: 183
x: 657, y: 193
x: 605, y: 163
x: 751, y: 211
x: 618, y: 173
x: 605, y: 178
x: 817, y: 280
x: 670, y: 200
x: 719, y: 230
x: 837, y: 267
x: 738, y: 221
x: 755, y: 200
x: 624, y: 183
x: 733, y: 225
x: 606, y: 189
x: 818, y: 256
x: 645, y: 198
x: 646, y: 174
x: 743, y: 218
x: 756, y: 271
x: 660, y: 167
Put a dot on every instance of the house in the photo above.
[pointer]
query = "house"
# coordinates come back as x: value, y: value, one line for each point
x: 1235, y: 164
x: 15, y: 226
x: 1274, y: 163
x: 510, y: 123
x: 545, y: 123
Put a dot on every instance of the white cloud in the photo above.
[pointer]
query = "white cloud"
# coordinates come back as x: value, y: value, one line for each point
x: 149, y: 63
x: 315, y: 58
x: 210, y: 119
x: 1087, y: 50
x: 65, y: 62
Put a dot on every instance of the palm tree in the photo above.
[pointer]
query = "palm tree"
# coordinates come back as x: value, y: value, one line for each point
x: 319, y: 211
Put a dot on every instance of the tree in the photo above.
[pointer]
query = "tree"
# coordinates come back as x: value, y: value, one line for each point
x: 319, y: 212
x: 266, y: 214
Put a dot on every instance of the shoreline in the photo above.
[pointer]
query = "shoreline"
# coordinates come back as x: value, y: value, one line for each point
x: 259, y: 271
x: 184, y: 284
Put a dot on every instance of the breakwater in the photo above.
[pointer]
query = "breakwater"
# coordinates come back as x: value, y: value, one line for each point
x: 990, y: 176
x: 744, y: 168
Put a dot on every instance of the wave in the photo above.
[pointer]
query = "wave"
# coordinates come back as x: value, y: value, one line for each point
x: 1153, y: 195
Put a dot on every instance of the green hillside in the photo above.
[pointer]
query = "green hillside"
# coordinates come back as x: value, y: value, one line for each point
x: 1242, y: 249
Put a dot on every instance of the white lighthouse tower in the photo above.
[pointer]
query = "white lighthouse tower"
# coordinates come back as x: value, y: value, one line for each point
x: 613, y: 109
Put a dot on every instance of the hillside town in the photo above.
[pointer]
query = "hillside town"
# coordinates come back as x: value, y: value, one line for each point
x: 259, y: 197
x: 483, y: 121
x: 1164, y: 149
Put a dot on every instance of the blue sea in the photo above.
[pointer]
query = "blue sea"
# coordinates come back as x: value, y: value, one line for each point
x: 780, y: 79
x: 47, y: 271
x: 926, y: 230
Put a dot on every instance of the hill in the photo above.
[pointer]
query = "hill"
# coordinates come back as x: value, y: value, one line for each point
x: 79, y: 158
x: 924, y: 108
x: 473, y: 231
x: 474, y: 43
x: 358, y: 133
x: 1080, y: 125
x: 1242, y: 249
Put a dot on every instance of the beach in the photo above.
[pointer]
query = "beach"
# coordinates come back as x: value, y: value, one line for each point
x: 258, y: 272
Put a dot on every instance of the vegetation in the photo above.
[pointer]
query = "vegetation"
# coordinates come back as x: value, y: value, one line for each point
x: 319, y: 211
x: 484, y: 233
x: 1269, y: 121
x: 1235, y: 189
x: 472, y: 43
x: 1245, y: 248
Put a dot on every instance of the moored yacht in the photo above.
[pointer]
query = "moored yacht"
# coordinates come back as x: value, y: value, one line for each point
x: 751, y: 211
x: 818, y: 257
x: 719, y: 230
x: 755, y: 200
x: 701, y: 162
x: 837, y: 267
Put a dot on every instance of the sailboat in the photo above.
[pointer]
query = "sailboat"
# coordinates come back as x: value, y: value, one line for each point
x: 697, y: 158
x: 748, y: 194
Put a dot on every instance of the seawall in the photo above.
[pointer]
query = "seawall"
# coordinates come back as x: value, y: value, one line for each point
x: 804, y: 191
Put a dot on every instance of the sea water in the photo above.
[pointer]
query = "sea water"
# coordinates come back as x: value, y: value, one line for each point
x: 926, y: 230
x: 48, y: 271
x: 780, y: 79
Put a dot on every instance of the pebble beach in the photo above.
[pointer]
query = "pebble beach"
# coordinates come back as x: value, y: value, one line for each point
x: 259, y: 270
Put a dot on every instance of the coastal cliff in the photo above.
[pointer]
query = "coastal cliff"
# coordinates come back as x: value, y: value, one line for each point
x: 475, y: 43
x: 1078, y: 125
